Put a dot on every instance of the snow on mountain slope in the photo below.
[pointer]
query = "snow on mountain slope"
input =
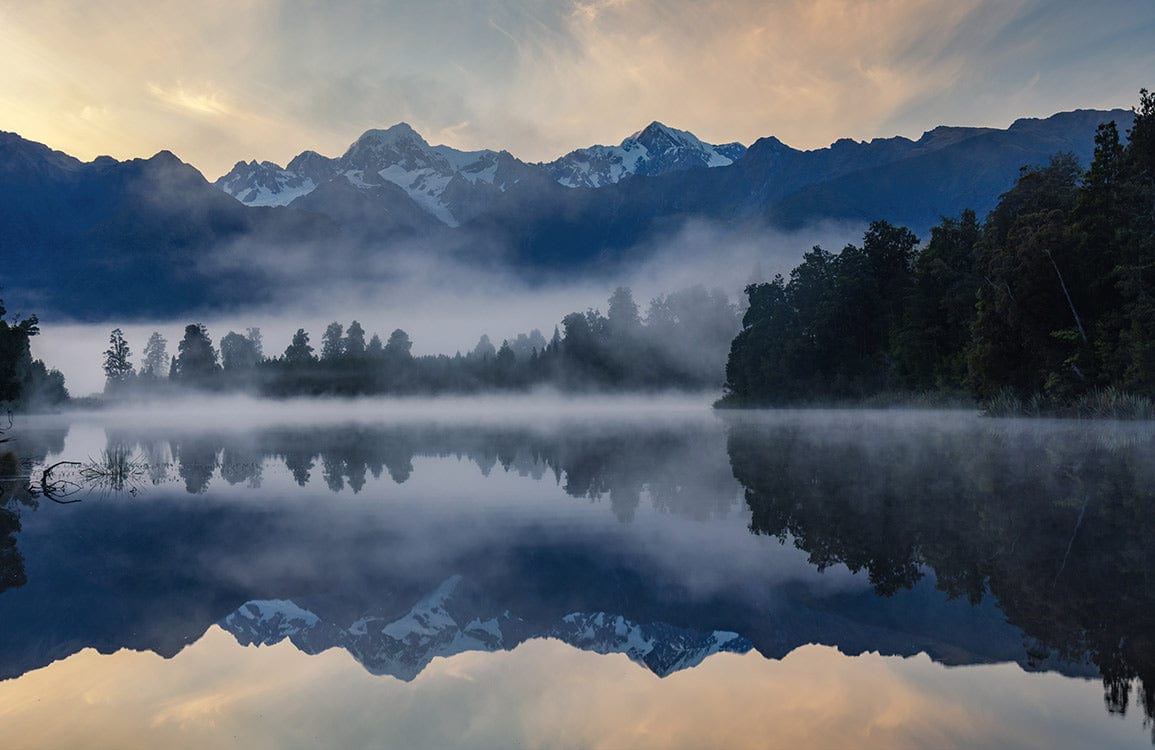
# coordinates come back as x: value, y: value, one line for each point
x: 442, y: 180
x: 660, y: 647
x: 455, y: 185
x: 439, y: 625
x: 264, y: 184
x: 657, y: 149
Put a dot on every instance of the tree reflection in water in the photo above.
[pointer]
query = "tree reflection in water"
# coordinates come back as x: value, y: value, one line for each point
x: 682, y: 471
x: 1056, y: 520
x: 17, y: 490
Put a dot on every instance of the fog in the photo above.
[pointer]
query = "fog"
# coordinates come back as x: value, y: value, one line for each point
x: 541, y: 409
x: 444, y: 297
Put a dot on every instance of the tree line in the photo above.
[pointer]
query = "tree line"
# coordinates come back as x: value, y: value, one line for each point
x: 25, y: 381
x: 1049, y: 301
x: 680, y: 343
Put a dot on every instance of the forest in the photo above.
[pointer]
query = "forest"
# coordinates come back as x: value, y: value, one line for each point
x: 24, y: 380
x: 1046, y: 305
x: 680, y: 343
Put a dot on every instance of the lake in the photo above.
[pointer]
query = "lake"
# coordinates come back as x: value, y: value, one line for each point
x: 538, y: 572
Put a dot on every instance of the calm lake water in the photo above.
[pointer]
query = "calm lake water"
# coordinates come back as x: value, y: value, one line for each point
x: 618, y: 574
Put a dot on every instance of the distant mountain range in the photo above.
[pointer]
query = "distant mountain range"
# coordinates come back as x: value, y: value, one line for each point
x: 455, y: 186
x: 437, y: 625
x: 152, y: 236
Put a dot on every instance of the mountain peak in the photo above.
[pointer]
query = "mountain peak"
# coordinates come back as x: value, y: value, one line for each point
x: 656, y: 128
x: 655, y: 149
x: 399, y: 133
x: 660, y: 136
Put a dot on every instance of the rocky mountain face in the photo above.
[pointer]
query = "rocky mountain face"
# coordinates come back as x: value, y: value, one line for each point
x: 657, y: 149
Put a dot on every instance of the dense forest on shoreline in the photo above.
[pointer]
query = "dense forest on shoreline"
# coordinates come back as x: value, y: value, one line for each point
x: 1048, y: 304
x: 24, y: 380
x: 681, y: 343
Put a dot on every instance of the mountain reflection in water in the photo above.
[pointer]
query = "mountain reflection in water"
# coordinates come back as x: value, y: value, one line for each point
x: 978, y: 541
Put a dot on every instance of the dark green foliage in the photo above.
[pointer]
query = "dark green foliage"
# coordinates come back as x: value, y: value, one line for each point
x: 196, y: 362
x: 118, y: 369
x: 239, y: 356
x: 25, y: 382
x: 681, y: 344
x: 1052, y: 299
x: 299, y: 352
x: 832, y: 330
x: 931, y: 350
x: 1027, y: 336
x: 354, y: 343
x: 240, y: 353
x: 398, y: 346
x: 332, y: 344
x: 15, y: 354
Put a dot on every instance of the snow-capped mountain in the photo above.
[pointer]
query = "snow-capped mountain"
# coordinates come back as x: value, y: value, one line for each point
x: 264, y: 184
x: 449, y: 184
x: 660, y: 647
x: 441, y: 625
x: 657, y: 149
x: 454, y: 186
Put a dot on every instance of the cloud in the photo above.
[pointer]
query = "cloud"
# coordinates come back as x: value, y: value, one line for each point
x: 218, y: 692
x: 543, y: 77
x: 444, y: 298
x: 198, y: 102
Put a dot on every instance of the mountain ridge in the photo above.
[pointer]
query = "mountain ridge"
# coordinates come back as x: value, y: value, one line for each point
x: 153, y: 236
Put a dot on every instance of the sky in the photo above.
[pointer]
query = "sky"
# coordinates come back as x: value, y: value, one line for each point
x: 220, y: 81
x: 547, y: 694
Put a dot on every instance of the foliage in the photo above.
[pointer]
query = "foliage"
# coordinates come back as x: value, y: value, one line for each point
x: 680, y: 344
x: 25, y: 382
x: 118, y: 368
x: 1051, y: 300
x: 196, y: 362
x: 155, y: 362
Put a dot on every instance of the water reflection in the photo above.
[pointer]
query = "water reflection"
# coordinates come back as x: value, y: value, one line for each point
x: 680, y: 470
x: 973, y: 541
x: 1055, y: 520
x: 17, y: 490
x: 545, y: 694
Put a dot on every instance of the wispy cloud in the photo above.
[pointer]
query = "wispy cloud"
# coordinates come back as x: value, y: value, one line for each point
x: 540, y: 77
x: 198, y: 102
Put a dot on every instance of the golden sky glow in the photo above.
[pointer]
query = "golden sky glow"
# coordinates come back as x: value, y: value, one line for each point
x: 546, y: 694
x: 216, y: 82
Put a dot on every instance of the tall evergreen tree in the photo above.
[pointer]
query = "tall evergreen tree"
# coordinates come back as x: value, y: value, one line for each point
x: 354, y: 344
x: 299, y: 352
x: 623, y: 317
x: 940, y: 311
x: 15, y: 354
x: 196, y: 360
x: 118, y: 368
x: 332, y: 345
x: 1028, y: 333
x: 398, y: 346
x: 155, y: 363
x: 238, y: 353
